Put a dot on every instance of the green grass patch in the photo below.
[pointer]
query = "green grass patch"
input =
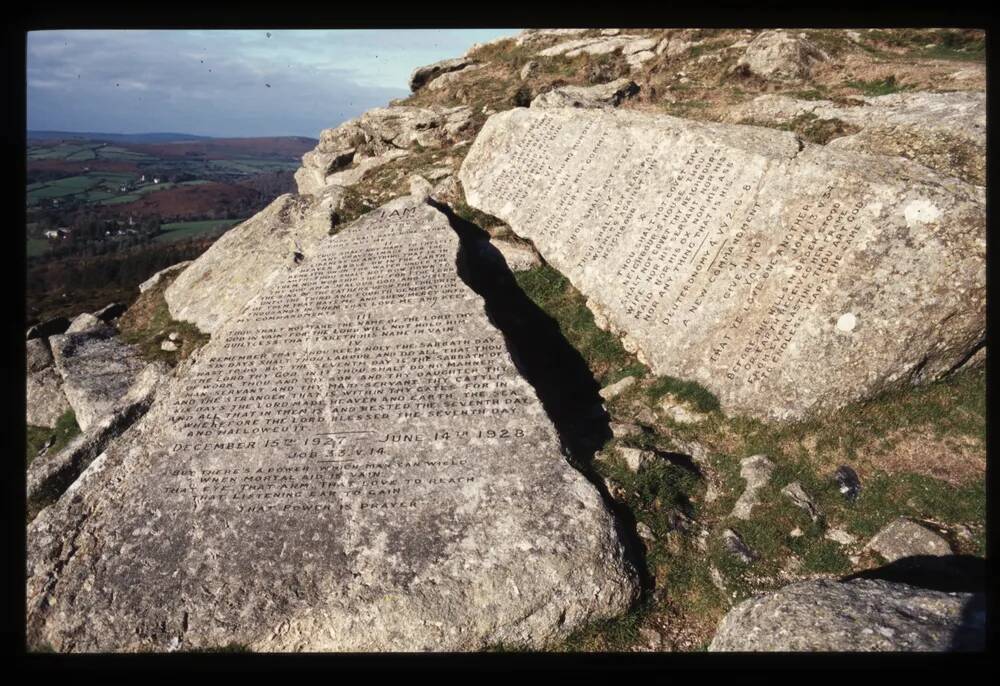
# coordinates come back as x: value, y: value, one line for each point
x: 37, y: 246
x: 121, y: 199
x: 880, y: 86
x: 689, y: 391
x: 63, y: 432
x: 811, y: 94
x: 182, y: 231
x: 608, y: 635
x: 812, y: 128
x: 948, y: 44
x: 471, y: 214
x: 352, y: 206
x: 554, y: 294
x: 147, y: 323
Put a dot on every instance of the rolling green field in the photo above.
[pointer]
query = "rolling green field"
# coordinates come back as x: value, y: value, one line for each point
x: 97, y: 187
x: 90, y: 187
x: 37, y: 246
x: 84, y: 150
x: 180, y: 231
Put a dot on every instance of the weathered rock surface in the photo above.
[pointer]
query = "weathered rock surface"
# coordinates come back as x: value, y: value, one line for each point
x: 87, y: 322
x: 518, y: 257
x: 778, y: 56
x: 97, y: 369
x: 943, y: 131
x: 756, y: 471
x: 595, y: 45
x: 530, y: 36
x: 45, y: 400
x: 158, y: 276
x: 802, y: 500
x: 858, y: 615
x: 248, y: 257
x: 680, y: 411
x: 353, y: 463
x: 634, y: 458
x: 345, y: 153
x: 617, y: 388
x: 421, y: 76
x: 451, y: 78
x: 602, y: 95
x: 788, y: 280
x: 37, y: 355
x: 51, y: 474
x: 737, y: 547
x: 905, y: 538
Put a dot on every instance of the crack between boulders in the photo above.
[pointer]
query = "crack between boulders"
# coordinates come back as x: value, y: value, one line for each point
x: 556, y: 371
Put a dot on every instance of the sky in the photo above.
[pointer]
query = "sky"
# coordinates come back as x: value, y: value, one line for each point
x: 225, y: 83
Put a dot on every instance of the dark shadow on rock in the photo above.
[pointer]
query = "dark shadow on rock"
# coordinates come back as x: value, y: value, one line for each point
x: 970, y: 634
x: 560, y: 376
x: 949, y: 573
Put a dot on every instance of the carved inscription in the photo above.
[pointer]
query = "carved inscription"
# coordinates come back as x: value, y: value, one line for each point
x: 719, y: 259
x: 358, y: 382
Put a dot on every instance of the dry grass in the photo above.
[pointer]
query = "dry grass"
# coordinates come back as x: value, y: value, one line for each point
x: 957, y: 460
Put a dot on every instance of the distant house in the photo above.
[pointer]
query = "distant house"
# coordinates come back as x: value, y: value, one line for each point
x: 61, y: 232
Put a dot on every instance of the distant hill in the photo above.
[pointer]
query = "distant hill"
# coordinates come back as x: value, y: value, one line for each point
x: 115, y: 137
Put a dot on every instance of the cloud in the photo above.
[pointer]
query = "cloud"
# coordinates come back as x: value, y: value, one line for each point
x: 216, y: 82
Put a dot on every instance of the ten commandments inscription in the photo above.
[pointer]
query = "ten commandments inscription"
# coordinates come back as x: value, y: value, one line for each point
x: 728, y: 254
x: 353, y: 463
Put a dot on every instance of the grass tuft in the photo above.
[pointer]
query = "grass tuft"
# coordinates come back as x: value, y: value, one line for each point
x: 689, y: 391
x: 63, y: 432
x: 602, y: 350
x: 880, y: 86
x: 147, y: 323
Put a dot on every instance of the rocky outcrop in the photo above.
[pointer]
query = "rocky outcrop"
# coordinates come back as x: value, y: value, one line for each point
x: 375, y: 138
x: 788, y: 278
x: 451, y: 78
x: 943, y: 131
x: 597, y: 45
x: 88, y: 322
x: 97, y: 370
x: 854, y: 616
x: 532, y: 36
x: 393, y: 520
x: 155, y: 279
x: 248, y: 257
x: 46, y: 401
x: 779, y: 56
x: 50, y: 475
x: 421, y: 76
x: 602, y: 95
